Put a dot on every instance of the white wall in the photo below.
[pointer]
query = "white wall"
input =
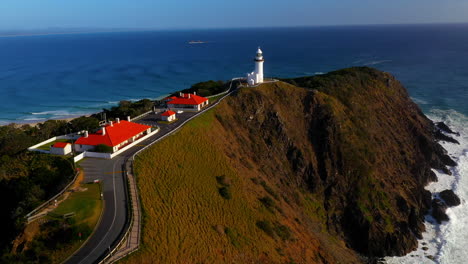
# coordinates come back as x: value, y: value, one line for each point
x: 61, y: 151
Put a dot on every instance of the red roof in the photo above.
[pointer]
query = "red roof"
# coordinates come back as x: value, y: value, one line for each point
x: 115, y: 134
x: 60, y: 145
x: 170, y: 98
x: 168, y: 113
x: 188, y: 99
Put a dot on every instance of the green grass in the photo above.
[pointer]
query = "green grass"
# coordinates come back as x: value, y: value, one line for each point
x: 86, y: 205
x: 181, y: 202
x: 216, y: 98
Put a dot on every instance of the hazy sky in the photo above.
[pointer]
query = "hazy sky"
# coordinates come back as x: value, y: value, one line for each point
x: 159, y: 14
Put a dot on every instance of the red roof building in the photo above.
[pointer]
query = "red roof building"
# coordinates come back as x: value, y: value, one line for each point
x: 191, y: 102
x: 61, y: 148
x: 60, y: 145
x: 115, y: 135
x: 168, y: 113
x: 168, y: 116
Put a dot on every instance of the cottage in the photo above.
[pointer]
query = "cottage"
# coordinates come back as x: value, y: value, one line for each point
x: 61, y: 148
x: 168, y: 116
x: 187, y: 102
x: 115, y: 135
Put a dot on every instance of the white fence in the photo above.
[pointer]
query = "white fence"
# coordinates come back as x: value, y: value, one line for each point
x: 140, y: 116
x: 30, y: 217
x: 35, y: 147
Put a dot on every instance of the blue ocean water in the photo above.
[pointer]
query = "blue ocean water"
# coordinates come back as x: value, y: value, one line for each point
x: 56, y: 76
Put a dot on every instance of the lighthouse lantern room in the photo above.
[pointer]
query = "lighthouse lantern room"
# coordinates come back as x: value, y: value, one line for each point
x: 256, y: 77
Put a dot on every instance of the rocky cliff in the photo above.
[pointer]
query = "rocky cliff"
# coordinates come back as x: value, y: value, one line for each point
x: 356, y: 140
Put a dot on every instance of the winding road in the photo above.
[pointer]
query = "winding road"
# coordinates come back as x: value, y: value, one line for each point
x: 112, y: 174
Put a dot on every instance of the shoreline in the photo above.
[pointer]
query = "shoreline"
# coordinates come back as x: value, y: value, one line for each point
x: 33, y: 123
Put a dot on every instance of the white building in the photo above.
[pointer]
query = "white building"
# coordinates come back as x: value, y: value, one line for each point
x: 256, y: 77
x: 187, y: 102
x: 115, y: 135
x: 168, y: 116
x: 61, y: 148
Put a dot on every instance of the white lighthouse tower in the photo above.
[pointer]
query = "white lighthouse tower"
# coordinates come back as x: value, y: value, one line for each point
x: 256, y: 77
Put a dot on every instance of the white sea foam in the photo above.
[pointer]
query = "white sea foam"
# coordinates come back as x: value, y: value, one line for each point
x: 447, y: 243
x: 54, y: 113
x: 419, y: 101
x: 319, y: 73
x: 33, y: 119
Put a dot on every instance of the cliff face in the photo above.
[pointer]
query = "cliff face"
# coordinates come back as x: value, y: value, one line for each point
x: 354, y: 140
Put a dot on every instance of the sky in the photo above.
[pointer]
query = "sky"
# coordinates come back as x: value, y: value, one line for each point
x: 185, y: 14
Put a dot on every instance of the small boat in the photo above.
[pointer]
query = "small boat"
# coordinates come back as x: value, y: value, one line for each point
x: 196, y: 42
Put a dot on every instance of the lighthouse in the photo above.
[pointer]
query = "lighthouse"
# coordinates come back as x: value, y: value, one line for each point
x: 256, y: 77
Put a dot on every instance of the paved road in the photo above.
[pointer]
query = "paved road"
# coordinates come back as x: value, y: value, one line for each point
x: 115, y: 195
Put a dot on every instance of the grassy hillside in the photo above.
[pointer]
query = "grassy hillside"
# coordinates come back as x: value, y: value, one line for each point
x: 187, y: 218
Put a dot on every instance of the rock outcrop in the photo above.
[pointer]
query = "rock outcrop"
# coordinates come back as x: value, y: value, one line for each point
x: 450, y: 198
x: 438, y: 211
x: 354, y: 139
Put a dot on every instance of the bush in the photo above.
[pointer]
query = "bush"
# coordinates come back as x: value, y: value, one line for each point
x: 103, y: 148
x: 283, y: 232
x: 225, y: 192
x: 267, y: 227
x: 269, y: 190
x: 267, y: 202
x: 223, y: 181
x: 275, y: 230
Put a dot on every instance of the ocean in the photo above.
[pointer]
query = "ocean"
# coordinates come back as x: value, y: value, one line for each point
x: 61, y: 76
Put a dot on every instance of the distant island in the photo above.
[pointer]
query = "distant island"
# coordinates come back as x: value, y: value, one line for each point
x: 320, y: 169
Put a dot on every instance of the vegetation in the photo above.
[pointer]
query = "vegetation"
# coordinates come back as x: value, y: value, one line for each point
x: 127, y: 108
x: 207, y: 88
x: 275, y: 230
x: 67, y: 227
x: 181, y: 191
x: 184, y: 181
x: 26, y: 180
x: 103, y: 148
x: 225, y: 192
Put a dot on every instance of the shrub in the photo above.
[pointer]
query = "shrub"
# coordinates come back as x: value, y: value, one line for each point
x: 232, y: 235
x: 254, y: 180
x: 267, y: 227
x: 275, y: 230
x: 225, y: 192
x: 103, y: 148
x: 269, y: 190
x: 267, y: 202
x: 284, y: 232
x: 223, y: 181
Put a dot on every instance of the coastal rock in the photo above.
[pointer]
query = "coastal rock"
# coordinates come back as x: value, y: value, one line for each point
x: 354, y: 140
x: 450, y: 198
x: 442, y: 126
x: 438, y: 211
x: 441, y: 136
